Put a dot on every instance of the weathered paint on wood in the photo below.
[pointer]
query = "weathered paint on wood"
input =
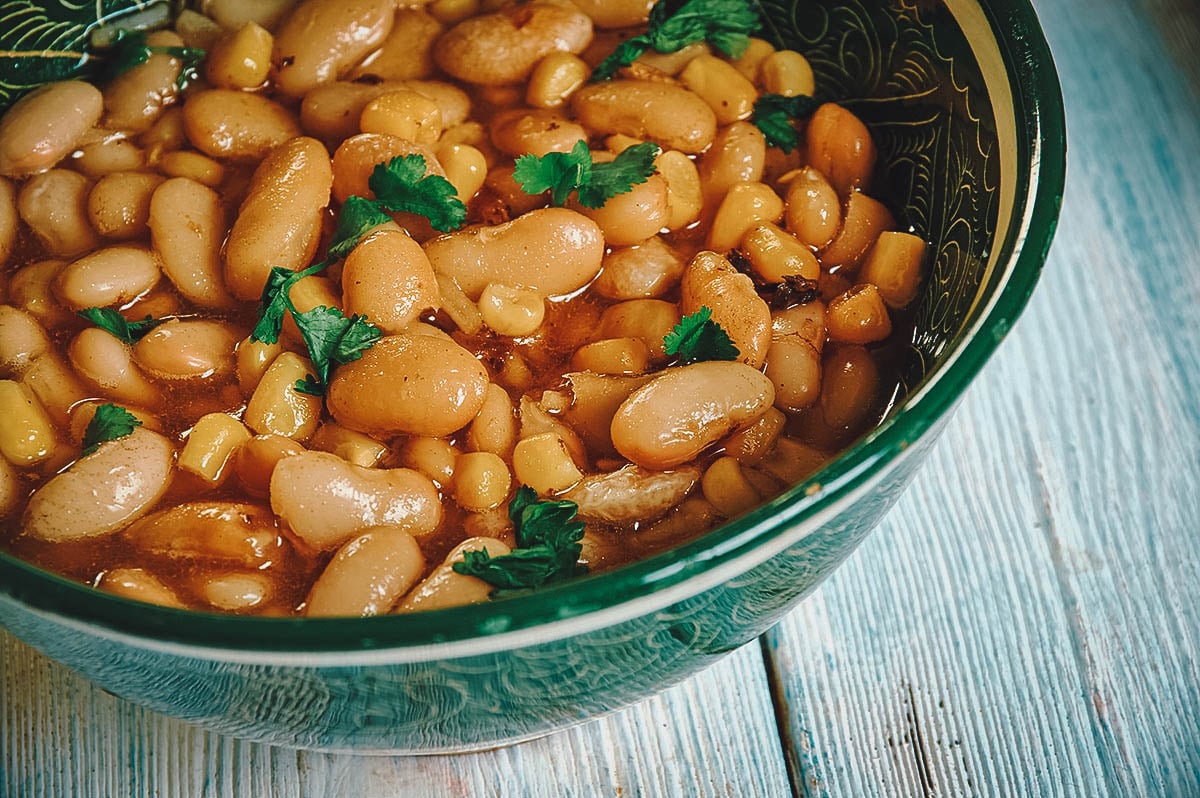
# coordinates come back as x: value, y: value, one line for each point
x: 1026, y: 622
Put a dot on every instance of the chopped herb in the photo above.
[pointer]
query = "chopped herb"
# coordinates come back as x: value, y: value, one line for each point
x: 547, y: 550
x: 773, y: 114
x: 276, y: 301
x: 357, y: 217
x: 110, y: 321
x: 110, y: 423
x: 128, y: 49
x: 725, y: 24
x: 697, y: 337
x: 402, y: 185
x: 332, y: 339
x: 560, y: 173
x: 794, y: 290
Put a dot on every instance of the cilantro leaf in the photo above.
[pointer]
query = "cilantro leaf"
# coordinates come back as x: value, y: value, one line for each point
x: 725, y: 24
x: 697, y: 337
x: 402, y: 185
x: 332, y: 339
x: 357, y: 217
x: 773, y: 115
x: 276, y: 301
x: 110, y: 423
x: 128, y: 49
x: 595, y: 183
x: 547, y: 550
x: 112, y: 322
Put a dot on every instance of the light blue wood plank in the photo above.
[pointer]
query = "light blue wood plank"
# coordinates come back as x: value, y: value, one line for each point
x: 1027, y: 621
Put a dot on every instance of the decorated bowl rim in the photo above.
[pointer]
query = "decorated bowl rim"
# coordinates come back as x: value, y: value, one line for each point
x: 641, y: 587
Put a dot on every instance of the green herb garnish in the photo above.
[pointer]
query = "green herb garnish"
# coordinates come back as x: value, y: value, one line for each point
x: 357, y: 217
x: 560, y: 173
x: 697, y: 337
x: 725, y: 24
x: 773, y: 114
x: 401, y: 185
x: 332, y: 339
x: 112, y: 322
x: 128, y: 49
x: 110, y: 423
x: 547, y: 550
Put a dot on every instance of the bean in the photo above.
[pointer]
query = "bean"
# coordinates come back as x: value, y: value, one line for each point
x: 107, y: 364
x: 555, y: 78
x: 751, y: 444
x: 9, y: 219
x: 794, y: 367
x: 276, y: 407
x: 44, y: 126
x: 353, y: 447
x: 27, y: 436
x: 233, y: 14
x: 675, y: 416
x: 433, y: 457
x: 749, y: 62
x: 55, y: 386
x: 616, y: 13
x: 210, y: 446
x: 850, y: 389
x: 225, y: 123
x: 279, y: 223
x: 521, y: 131
x: 326, y: 501
x: 332, y: 112
x: 230, y: 533
x: 187, y: 228
x: 685, y: 195
x: 103, y: 491
x: 775, y: 254
x: 253, y: 360
x: 594, y: 401
x: 307, y: 293
x: 745, y: 206
x: 894, y: 265
x: 139, y: 585
x: 187, y: 350
x: 407, y: 53
x: 54, y: 205
x: 504, y: 186
x: 358, y: 156
x: 388, y: 278
x: 405, y: 114
x: 192, y: 165
x: 107, y: 156
x: 368, y: 575
x: 665, y: 113
x: 31, y: 290
x: 535, y: 420
x: 632, y: 217
x: 445, y: 587
x: 840, y: 147
x: 727, y: 489
x: 12, y: 492
x: 612, y: 356
x: 466, y: 168
x: 711, y: 281
x: 238, y: 592
x: 135, y: 98
x: 865, y: 220
x: 412, y: 384
x: 119, y: 204
x: 730, y: 95
x: 787, y: 73
x: 108, y: 277
x: 858, y: 316
x: 515, y: 312
x: 82, y: 413
x: 242, y: 59
x: 646, y: 271
x: 322, y: 39
x: 553, y: 251
x: 648, y: 319
x: 495, y: 427
x: 631, y: 494
x: 22, y: 340
x: 255, y: 460
x: 652, y: 65
x: 737, y: 156
x: 481, y: 481
x: 806, y: 321
x: 812, y: 208
x: 503, y: 47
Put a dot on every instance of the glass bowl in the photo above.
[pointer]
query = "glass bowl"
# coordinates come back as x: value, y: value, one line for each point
x: 965, y: 105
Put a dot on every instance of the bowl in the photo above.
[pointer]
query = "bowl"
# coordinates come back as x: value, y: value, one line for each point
x: 965, y: 105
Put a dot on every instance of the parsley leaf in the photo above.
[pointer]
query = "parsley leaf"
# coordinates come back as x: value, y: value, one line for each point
x: 112, y: 322
x: 357, y: 217
x: 697, y: 337
x: 128, y: 49
x: 547, y: 550
x: 773, y: 114
x: 402, y: 185
x: 276, y: 301
x: 725, y: 24
x: 110, y: 423
x: 332, y: 339
x: 560, y: 173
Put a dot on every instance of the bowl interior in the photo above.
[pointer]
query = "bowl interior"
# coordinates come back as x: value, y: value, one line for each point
x: 965, y: 108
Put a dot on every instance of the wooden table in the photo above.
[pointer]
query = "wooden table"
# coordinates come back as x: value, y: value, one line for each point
x: 1026, y: 622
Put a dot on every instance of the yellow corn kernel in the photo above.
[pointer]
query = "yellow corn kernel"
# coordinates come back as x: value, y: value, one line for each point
x: 544, y: 463
x: 277, y: 408
x: 775, y: 254
x: 893, y: 264
x: 465, y: 167
x: 515, y: 312
x: 752, y: 57
x: 752, y: 443
x: 433, y: 457
x: 495, y: 426
x: 404, y: 114
x: 201, y: 168
x: 555, y: 78
x: 211, y: 444
x: 26, y: 436
x: 788, y: 73
x: 450, y: 12
x: 858, y: 316
x: 685, y: 196
x: 727, y: 489
x: 242, y: 59
x: 613, y: 356
x: 253, y: 360
x: 481, y: 481
x: 353, y: 447
x: 746, y: 205
x: 728, y: 92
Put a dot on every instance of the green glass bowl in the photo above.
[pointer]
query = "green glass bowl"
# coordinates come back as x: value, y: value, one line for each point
x: 965, y: 105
